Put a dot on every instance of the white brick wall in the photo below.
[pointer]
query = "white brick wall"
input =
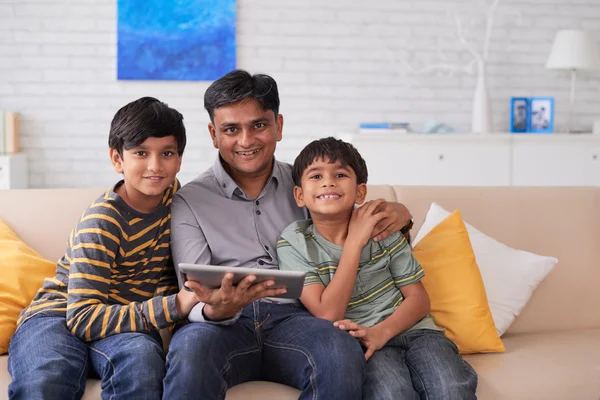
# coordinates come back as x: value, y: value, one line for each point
x: 337, y: 62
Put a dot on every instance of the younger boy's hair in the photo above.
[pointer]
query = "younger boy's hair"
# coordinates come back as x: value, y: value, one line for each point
x: 333, y: 150
x: 143, y: 118
x: 239, y: 85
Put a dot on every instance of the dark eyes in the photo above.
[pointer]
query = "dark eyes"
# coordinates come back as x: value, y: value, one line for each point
x: 142, y: 153
x: 319, y: 176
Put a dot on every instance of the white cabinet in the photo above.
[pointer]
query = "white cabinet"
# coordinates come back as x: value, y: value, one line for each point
x: 13, y: 171
x: 435, y: 161
x: 480, y: 160
x: 549, y: 162
x: 592, y: 165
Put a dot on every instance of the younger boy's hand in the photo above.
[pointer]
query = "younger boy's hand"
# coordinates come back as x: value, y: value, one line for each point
x: 371, y: 337
x: 363, y: 221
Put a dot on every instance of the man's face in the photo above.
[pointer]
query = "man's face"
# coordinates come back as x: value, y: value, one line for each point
x: 246, y: 136
x: 329, y: 189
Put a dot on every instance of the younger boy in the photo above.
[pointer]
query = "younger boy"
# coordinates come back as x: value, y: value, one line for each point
x: 115, y: 287
x: 370, y: 289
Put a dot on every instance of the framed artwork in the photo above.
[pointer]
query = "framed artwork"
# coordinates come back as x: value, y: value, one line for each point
x: 541, y: 115
x: 518, y: 114
x: 187, y: 40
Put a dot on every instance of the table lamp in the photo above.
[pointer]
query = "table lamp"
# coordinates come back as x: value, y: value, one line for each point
x: 573, y: 50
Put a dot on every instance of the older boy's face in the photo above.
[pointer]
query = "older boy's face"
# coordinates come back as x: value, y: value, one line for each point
x: 148, y: 170
x: 246, y: 136
x: 329, y: 188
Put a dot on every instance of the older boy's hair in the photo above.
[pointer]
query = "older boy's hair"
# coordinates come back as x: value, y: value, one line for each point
x: 333, y: 150
x: 239, y: 85
x: 143, y: 118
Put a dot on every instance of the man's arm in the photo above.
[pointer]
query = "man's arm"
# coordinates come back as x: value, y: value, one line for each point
x: 189, y: 245
x: 398, y: 219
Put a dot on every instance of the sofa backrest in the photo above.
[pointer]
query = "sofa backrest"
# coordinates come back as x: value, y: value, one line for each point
x: 561, y: 222
x: 43, y: 218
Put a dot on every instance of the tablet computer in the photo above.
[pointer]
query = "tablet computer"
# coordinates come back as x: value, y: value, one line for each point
x: 211, y: 276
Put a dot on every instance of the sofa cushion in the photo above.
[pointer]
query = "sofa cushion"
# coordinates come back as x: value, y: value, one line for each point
x: 510, y: 275
x: 548, y: 366
x: 453, y: 282
x: 23, y: 270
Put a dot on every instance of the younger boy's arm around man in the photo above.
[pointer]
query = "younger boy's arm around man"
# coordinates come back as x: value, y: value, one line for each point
x: 330, y: 302
x: 94, y: 311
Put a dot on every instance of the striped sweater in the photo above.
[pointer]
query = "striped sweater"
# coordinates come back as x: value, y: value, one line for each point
x: 116, y: 275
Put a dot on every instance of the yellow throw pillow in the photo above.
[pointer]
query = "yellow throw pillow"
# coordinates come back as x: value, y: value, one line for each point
x: 22, y: 270
x: 452, y: 279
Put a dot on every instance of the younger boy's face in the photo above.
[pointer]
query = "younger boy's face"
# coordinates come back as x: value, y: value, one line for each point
x: 329, y: 188
x: 148, y: 169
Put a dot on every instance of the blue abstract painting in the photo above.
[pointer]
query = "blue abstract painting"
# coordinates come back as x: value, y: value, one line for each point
x: 186, y: 40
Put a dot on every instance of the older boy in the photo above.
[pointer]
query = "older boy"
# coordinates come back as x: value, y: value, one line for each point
x: 370, y: 289
x: 115, y: 286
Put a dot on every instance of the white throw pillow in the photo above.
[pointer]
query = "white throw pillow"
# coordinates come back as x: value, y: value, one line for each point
x: 509, y: 275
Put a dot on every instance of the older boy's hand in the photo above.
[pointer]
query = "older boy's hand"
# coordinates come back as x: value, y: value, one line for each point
x: 371, y: 337
x: 397, y: 218
x: 226, y: 301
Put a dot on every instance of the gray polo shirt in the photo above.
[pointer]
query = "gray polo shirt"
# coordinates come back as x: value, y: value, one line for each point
x: 213, y: 221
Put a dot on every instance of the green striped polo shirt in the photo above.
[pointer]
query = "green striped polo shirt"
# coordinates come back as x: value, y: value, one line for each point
x: 116, y: 275
x: 384, y: 267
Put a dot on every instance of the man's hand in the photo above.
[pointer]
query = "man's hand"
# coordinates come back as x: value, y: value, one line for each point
x: 371, y: 337
x: 226, y: 301
x: 363, y: 221
x: 397, y: 217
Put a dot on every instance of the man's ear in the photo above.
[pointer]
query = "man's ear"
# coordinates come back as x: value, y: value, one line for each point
x: 279, y: 127
x: 361, y: 193
x: 116, y: 160
x: 299, y: 196
x: 213, y: 135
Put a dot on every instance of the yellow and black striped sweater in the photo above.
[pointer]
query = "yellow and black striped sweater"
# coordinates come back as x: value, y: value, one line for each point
x: 116, y: 275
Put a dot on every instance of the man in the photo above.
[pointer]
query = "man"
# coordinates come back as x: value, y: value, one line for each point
x: 232, y: 215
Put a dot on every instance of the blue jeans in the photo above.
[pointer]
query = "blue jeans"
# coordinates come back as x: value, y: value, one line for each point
x: 276, y: 342
x: 419, y: 364
x: 47, y: 362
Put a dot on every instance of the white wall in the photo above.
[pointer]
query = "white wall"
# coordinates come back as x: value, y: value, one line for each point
x: 337, y: 63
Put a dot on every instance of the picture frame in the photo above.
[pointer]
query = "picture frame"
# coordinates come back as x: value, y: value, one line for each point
x: 519, y: 111
x: 540, y: 115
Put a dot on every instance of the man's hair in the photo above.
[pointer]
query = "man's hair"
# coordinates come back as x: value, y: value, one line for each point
x: 239, y: 85
x: 334, y: 150
x: 143, y: 118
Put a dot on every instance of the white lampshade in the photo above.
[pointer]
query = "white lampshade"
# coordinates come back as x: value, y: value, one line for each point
x: 573, y: 49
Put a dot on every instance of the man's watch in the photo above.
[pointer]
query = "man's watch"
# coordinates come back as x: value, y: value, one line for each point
x: 406, y: 228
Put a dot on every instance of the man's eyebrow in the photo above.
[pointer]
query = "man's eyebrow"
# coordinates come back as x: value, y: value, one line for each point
x: 228, y: 124
x: 256, y: 121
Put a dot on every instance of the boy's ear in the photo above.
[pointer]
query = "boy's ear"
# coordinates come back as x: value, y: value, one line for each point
x: 213, y: 135
x: 299, y: 196
x: 361, y: 193
x: 116, y: 160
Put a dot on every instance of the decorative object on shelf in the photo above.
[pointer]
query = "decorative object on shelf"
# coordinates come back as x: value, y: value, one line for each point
x: 518, y: 114
x: 385, y: 127
x: 9, y: 132
x: 540, y: 115
x: 185, y: 40
x: 481, y: 120
x: 573, y: 50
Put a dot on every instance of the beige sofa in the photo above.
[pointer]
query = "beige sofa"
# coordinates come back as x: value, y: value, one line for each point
x: 552, y: 349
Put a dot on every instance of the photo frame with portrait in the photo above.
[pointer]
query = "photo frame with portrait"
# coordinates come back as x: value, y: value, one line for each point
x: 540, y: 115
x: 519, y: 110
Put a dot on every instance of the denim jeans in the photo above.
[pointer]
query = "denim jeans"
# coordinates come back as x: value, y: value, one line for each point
x: 276, y: 342
x: 419, y: 364
x: 47, y: 362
